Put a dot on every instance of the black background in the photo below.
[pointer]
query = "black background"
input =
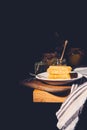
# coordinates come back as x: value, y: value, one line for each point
x: 29, y: 32
x: 34, y: 24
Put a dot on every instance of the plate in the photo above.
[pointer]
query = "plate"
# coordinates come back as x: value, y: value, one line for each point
x: 44, y: 77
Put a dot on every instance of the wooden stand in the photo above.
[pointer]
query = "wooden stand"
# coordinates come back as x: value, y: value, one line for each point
x: 43, y: 96
x: 46, y: 93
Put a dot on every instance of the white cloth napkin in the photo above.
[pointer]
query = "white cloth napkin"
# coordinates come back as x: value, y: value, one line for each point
x: 82, y: 70
x: 68, y: 114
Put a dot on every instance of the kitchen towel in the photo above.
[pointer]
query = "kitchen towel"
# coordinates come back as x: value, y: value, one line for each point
x: 68, y: 114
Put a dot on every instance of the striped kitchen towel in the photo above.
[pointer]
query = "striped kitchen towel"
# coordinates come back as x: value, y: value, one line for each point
x: 68, y: 114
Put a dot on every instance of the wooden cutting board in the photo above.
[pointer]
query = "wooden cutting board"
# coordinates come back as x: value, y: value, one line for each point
x: 37, y: 84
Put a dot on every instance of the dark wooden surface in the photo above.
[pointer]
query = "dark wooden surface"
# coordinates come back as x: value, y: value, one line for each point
x: 45, y: 93
x: 37, y: 84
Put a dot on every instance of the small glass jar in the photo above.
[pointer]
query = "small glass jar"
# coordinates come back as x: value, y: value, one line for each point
x: 40, y: 67
x: 75, y: 56
x: 61, y: 62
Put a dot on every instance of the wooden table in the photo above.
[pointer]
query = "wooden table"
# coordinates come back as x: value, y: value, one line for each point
x: 43, y: 92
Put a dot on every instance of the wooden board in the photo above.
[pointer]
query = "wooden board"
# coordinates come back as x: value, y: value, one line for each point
x: 46, y: 97
x: 37, y: 84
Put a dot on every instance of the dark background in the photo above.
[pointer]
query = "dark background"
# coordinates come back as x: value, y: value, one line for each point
x: 30, y: 29
x: 34, y: 26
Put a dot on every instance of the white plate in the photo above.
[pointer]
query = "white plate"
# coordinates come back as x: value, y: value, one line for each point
x: 44, y: 77
x: 81, y: 70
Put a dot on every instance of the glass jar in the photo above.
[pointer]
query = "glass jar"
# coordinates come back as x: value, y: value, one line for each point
x: 40, y: 67
x: 75, y: 56
x: 61, y: 62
